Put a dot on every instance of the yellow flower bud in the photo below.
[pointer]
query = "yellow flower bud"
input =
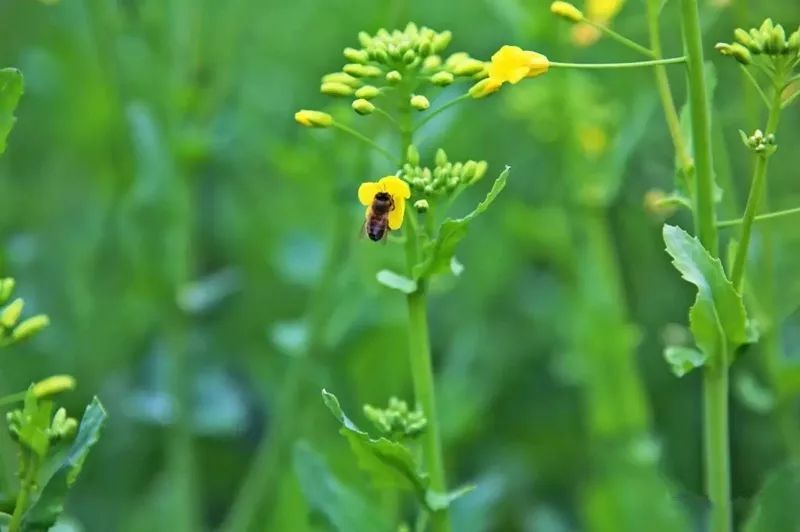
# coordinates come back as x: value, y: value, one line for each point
x: 412, y: 155
x: 10, y: 314
x: 364, y: 39
x: 441, y: 41
x: 740, y: 53
x: 442, y: 79
x: 431, y: 62
x: 308, y: 118
x: 484, y: 88
x: 29, y: 327
x: 6, y: 289
x: 421, y: 206
x: 468, y: 67
x: 332, y: 88
x: 420, y: 102
x: 362, y: 106
x: 368, y: 92
x: 393, y: 77
x: 341, y: 77
x: 53, y: 385
x: 356, y: 56
x: 567, y: 11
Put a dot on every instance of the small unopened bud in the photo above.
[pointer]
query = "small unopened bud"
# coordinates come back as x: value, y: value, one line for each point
x: 362, y: 71
x: 778, y: 40
x: 409, y: 56
x: 54, y: 385
x: 365, y: 39
x: 29, y: 327
x: 657, y: 203
x: 431, y: 62
x: 429, y: 189
x: 393, y: 77
x: 740, y: 53
x: 10, y: 315
x: 341, y: 77
x: 420, y: 102
x: 468, y: 173
x: 308, y: 118
x: 412, y: 155
x: 442, y: 79
x: 441, y: 157
x: 723, y: 48
x: 441, y: 41
x: 567, y: 11
x: 483, y: 88
x: 424, y: 48
x: 421, y: 206
x: 368, y: 92
x: 742, y: 37
x: 362, y: 106
x: 452, y: 183
x: 793, y: 44
x: 6, y: 289
x: 480, y: 170
x: 332, y: 88
x: 356, y: 56
x: 468, y: 67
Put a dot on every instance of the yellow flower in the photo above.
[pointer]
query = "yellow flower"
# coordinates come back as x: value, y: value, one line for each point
x: 307, y: 118
x: 512, y: 64
x: 397, y: 189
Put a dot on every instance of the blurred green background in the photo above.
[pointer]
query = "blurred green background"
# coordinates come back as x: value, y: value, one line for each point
x: 199, y: 255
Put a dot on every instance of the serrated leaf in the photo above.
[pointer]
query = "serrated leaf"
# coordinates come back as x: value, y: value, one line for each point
x: 45, y: 509
x: 396, y: 281
x: 682, y: 359
x: 344, y: 508
x: 388, y: 462
x: 438, y: 253
x: 775, y: 507
x: 11, y: 88
x: 717, y: 318
x: 436, y: 501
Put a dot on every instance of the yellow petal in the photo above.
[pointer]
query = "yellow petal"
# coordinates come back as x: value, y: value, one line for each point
x: 366, y: 192
x: 537, y: 64
x: 396, y: 214
x: 395, y: 186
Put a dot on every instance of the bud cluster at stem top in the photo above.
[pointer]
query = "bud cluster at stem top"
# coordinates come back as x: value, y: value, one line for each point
x: 11, y: 328
x: 759, y: 142
x: 445, y: 178
x: 397, y: 420
x: 769, y: 42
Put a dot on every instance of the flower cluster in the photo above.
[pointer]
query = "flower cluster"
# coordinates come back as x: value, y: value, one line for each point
x: 397, y: 420
x: 759, y: 142
x: 445, y: 177
x: 768, y: 42
x: 11, y: 329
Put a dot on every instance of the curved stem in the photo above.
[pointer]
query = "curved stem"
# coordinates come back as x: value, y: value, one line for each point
x: 366, y: 140
x: 665, y: 93
x: 760, y: 217
x: 440, y: 109
x: 611, y: 66
x: 12, y: 398
x: 749, y: 76
x: 633, y: 45
x: 388, y: 116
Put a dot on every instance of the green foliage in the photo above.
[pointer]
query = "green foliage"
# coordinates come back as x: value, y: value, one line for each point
x: 682, y: 359
x: 775, y: 507
x: 717, y: 318
x: 396, y: 281
x: 437, y: 255
x: 11, y: 88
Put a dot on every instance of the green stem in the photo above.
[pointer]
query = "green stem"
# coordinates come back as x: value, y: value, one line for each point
x: 366, y: 140
x: 754, y: 198
x: 752, y: 79
x: 632, y: 64
x: 633, y: 45
x: 440, y: 109
x: 760, y: 217
x: 25, y: 487
x: 13, y: 398
x: 715, y: 378
x: 665, y: 92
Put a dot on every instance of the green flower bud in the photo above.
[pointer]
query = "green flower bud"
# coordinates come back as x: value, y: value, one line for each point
x: 793, y: 44
x: 468, y: 174
x: 468, y: 67
x: 432, y: 62
x: 332, y: 88
x: 455, y: 59
x: 356, y: 56
x: 368, y: 92
x: 29, y: 327
x: 740, y: 53
x: 421, y: 206
x: 364, y: 39
x: 341, y: 77
x: 426, y: 174
x: 442, y: 79
x: 758, y: 41
x: 308, y: 118
x: 412, y: 155
x: 424, y: 48
x: 11, y: 314
x: 394, y: 52
x: 6, y: 289
x: 362, y: 106
x: 54, y: 385
x: 452, y: 183
x: 362, y: 71
x: 480, y: 170
x: 483, y: 88
x: 409, y: 56
x: 441, y: 157
x: 418, y: 182
x: 379, y: 54
x: 778, y: 40
x: 429, y: 189
x: 441, y: 41
x: 457, y: 169
x: 742, y: 37
x: 394, y: 77
x: 420, y: 102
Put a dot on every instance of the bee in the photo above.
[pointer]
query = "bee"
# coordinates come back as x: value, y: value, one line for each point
x: 376, y: 225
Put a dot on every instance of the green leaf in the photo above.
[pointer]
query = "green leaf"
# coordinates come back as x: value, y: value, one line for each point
x: 775, y: 507
x: 46, y: 508
x: 345, y: 508
x: 753, y: 394
x: 11, y: 88
x: 717, y: 319
x: 682, y: 360
x: 437, y: 255
x: 389, y: 463
x: 436, y: 501
x: 396, y: 281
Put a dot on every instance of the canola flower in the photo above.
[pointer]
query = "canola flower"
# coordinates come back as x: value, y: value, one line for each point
x: 512, y: 64
x: 397, y: 189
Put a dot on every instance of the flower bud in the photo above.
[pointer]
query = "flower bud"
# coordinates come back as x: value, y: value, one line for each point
x: 341, y: 77
x: 29, y: 327
x: 432, y: 62
x: 308, y: 118
x: 393, y: 77
x: 468, y: 67
x: 412, y: 156
x: 777, y: 40
x: 421, y: 206
x: 10, y: 315
x: 468, y: 173
x: 356, y: 56
x: 483, y: 88
x: 424, y: 48
x: 480, y: 170
x: 368, y: 92
x: 364, y: 39
x: 442, y: 78
x: 429, y: 189
x: 441, y: 41
x: 566, y: 11
x: 362, y: 71
x: 53, y: 385
x: 441, y: 157
x: 455, y: 59
x: 332, y: 88
x: 742, y: 37
x: 420, y: 102
x: 409, y: 56
x: 740, y: 53
x: 452, y: 183
x: 793, y: 44
x: 6, y: 289
x: 362, y: 106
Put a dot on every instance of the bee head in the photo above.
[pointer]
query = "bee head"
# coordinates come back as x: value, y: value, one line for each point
x: 383, y: 196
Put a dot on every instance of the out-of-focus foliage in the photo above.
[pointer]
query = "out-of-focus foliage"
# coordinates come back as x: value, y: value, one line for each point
x: 200, y: 256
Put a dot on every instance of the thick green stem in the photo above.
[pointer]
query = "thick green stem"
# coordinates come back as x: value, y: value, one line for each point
x: 715, y: 381
x: 754, y: 198
x: 25, y: 487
